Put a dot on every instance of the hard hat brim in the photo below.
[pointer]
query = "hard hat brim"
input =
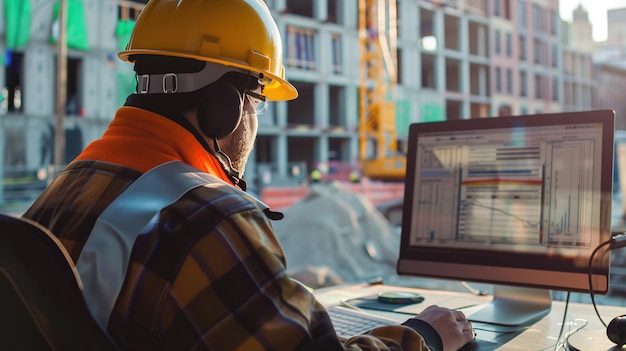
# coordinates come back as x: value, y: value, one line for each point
x: 278, y: 90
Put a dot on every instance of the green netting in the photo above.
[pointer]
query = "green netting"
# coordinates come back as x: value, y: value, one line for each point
x: 433, y: 113
x: 17, y: 19
x: 403, y: 116
x: 77, y: 36
x: 123, y: 32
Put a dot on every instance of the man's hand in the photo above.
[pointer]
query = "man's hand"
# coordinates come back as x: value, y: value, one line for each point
x: 453, y: 328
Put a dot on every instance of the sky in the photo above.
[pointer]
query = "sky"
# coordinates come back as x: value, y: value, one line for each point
x: 596, y: 10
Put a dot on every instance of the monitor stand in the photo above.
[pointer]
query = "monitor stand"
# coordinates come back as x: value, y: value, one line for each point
x: 514, y: 306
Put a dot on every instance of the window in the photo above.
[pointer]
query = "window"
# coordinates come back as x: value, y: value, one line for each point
x: 508, y: 45
x: 501, y: 9
x: 555, y: 55
x: 429, y: 70
x: 538, y: 92
x: 427, y: 23
x: 537, y: 51
x: 509, y: 81
x: 478, y: 39
x: 73, y: 104
x: 453, y: 75
x: 12, y: 91
x: 498, y: 79
x: 129, y: 10
x: 505, y: 110
x: 555, y: 88
x: 523, y: 83
x: 523, y: 19
x: 478, y: 84
x: 554, y: 22
x: 334, y: 11
x: 522, y: 47
x: 497, y: 8
x: 73, y: 98
x: 300, y: 7
x: 337, y: 54
x: 301, y: 48
x: 523, y: 110
x: 337, y: 107
x: 536, y: 17
x: 301, y: 111
x: 452, y: 30
x: 497, y: 41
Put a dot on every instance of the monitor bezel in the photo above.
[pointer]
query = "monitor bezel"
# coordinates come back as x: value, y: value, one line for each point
x: 479, y: 265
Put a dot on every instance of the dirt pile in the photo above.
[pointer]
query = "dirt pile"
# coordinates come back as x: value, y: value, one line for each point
x: 336, y: 236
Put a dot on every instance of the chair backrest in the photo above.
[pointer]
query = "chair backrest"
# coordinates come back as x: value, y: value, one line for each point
x: 41, y: 301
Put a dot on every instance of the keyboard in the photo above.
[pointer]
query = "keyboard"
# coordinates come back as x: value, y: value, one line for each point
x: 349, y: 322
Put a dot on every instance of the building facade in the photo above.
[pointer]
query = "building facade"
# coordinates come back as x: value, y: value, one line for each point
x: 607, y: 64
x: 455, y: 60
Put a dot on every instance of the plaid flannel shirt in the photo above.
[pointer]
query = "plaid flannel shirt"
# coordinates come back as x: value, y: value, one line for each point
x: 209, y: 276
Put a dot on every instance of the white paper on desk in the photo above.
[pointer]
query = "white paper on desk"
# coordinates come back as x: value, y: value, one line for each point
x: 451, y: 302
x: 334, y: 297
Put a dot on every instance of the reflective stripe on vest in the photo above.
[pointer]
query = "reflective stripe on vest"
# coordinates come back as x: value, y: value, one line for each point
x: 103, y: 262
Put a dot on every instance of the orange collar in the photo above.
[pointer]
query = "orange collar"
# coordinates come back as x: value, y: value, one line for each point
x: 142, y: 140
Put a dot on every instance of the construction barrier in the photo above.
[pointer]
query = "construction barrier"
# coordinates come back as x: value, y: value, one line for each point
x: 277, y: 197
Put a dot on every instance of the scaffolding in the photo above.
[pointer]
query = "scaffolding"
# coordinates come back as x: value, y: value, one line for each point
x: 378, y: 144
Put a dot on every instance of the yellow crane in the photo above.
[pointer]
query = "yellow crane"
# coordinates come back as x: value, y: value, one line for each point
x: 378, y: 144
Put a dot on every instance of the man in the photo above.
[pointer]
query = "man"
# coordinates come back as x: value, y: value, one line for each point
x: 172, y: 252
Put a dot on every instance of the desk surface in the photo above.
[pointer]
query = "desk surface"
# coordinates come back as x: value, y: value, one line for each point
x: 542, y: 335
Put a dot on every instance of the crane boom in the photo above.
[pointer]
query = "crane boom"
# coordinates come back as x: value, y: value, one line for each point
x: 378, y: 144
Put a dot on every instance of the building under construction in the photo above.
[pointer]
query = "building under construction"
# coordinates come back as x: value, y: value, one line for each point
x: 452, y: 60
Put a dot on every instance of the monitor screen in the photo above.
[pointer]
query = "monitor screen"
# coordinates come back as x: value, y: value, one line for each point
x: 520, y: 202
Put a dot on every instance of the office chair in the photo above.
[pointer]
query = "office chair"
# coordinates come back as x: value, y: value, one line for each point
x: 41, y: 301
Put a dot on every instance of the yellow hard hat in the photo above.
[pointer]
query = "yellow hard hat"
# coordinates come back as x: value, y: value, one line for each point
x: 237, y: 33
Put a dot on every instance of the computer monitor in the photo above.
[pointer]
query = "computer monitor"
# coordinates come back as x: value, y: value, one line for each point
x: 520, y: 202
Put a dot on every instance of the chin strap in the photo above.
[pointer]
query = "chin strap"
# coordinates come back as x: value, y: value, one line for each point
x: 233, y: 174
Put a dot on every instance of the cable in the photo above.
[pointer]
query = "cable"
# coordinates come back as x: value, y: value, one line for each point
x: 583, y: 322
x: 615, y: 242
x: 557, y: 345
x: 231, y: 171
x: 473, y: 290
x: 562, y: 345
x: 591, y: 293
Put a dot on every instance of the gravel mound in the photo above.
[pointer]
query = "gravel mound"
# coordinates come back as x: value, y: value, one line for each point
x: 335, y: 236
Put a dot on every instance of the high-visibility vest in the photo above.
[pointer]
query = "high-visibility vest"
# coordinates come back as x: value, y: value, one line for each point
x: 104, y: 260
